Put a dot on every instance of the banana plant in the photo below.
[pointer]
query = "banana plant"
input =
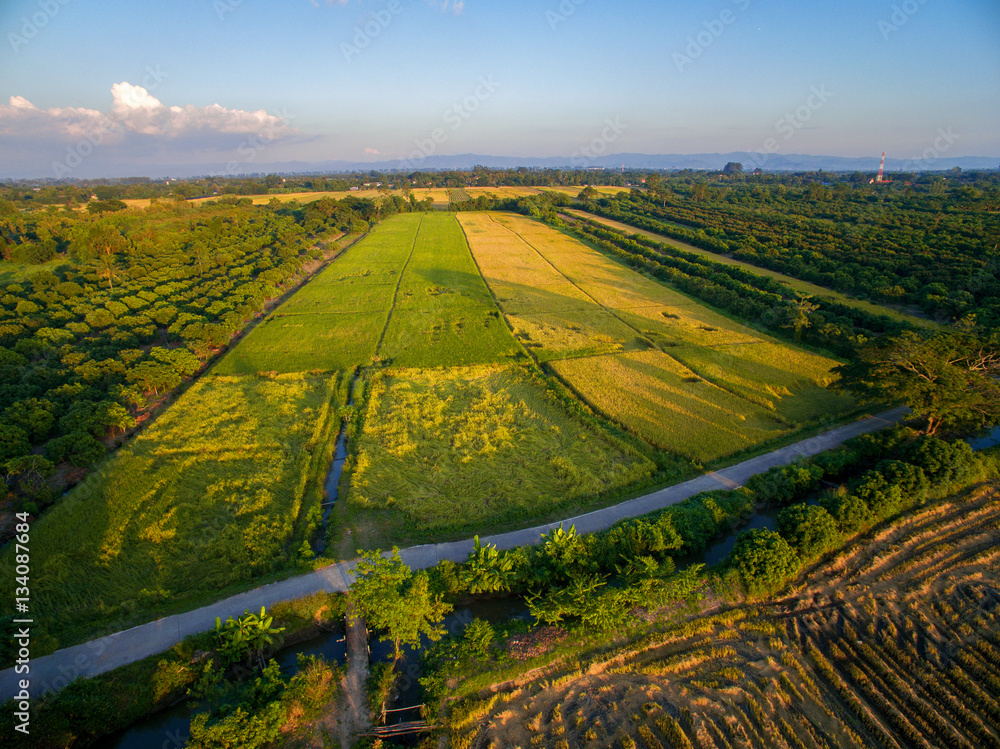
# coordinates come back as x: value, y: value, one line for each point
x: 246, y: 638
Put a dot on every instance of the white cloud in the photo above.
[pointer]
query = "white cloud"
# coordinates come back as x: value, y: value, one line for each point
x: 455, y: 6
x: 134, y: 110
x: 372, y: 151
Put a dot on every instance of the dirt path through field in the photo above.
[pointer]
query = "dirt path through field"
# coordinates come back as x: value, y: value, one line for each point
x: 355, y: 716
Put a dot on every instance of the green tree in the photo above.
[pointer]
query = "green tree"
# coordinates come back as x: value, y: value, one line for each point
x: 101, y: 243
x: 798, y: 314
x: 950, y: 379
x: 810, y: 530
x: 33, y: 415
x: 77, y: 448
x: 13, y: 442
x: 850, y: 511
x: 154, y: 376
x: 397, y: 602
x: 764, y: 560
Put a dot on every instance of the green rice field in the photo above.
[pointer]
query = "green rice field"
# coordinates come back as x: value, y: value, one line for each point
x: 217, y: 492
x: 408, y: 294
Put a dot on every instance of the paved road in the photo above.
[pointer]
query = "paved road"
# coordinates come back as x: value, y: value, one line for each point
x: 53, y: 672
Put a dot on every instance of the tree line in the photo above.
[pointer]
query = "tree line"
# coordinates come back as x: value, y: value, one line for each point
x: 931, y: 247
x: 130, y: 304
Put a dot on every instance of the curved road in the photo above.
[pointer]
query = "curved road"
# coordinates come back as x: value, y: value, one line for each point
x: 53, y: 672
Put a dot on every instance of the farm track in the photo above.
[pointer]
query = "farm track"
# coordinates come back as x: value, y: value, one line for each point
x: 399, y: 282
x: 54, y: 671
x: 894, y: 644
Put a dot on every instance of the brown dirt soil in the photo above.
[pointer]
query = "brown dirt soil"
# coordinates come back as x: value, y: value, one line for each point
x: 537, y: 642
x: 895, y: 643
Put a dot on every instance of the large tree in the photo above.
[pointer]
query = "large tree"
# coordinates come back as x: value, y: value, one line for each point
x: 395, y: 601
x: 950, y: 379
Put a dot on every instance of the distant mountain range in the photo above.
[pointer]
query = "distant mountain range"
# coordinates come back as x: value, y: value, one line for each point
x: 772, y: 162
x: 794, y: 162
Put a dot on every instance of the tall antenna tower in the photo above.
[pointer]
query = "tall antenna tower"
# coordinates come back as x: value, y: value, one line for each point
x: 878, y: 178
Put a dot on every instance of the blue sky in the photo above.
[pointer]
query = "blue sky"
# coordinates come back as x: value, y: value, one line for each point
x: 374, y: 79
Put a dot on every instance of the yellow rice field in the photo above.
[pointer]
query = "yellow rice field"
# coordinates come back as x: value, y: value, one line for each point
x: 664, y: 366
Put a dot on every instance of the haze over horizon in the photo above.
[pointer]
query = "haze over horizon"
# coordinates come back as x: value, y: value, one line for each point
x: 94, y: 89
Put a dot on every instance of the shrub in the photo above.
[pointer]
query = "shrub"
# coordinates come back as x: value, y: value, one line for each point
x: 809, y: 529
x: 78, y: 448
x: 764, y: 560
x: 782, y: 485
x: 945, y: 463
x: 850, y: 511
x: 883, y: 498
x: 911, y: 480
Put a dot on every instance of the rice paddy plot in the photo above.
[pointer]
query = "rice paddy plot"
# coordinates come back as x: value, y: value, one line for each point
x: 469, y: 448
x: 336, y: 320
x: 530, y: 298
x: 690, y: 324
x: 441, y: 273
x: 660, y: 400
x: 573, y: 332
x: 212, y: 494
x: 460, y: 336
x: 382, y: 253
x: 791, y: 382
x: 306, y: 343
x: 343, y: 297
x: 727, y: 389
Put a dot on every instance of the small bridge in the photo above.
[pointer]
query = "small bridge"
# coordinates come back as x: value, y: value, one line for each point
x: 399, y: 729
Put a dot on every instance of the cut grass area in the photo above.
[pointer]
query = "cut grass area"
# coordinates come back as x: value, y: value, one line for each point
x: 217, y: 492
x: 682, y: 376
x: 802, y: 286
x: 466, y: 449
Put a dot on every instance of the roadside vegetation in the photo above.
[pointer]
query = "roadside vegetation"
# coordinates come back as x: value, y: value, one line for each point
x: 200, y: 671
x: 888, y: 639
